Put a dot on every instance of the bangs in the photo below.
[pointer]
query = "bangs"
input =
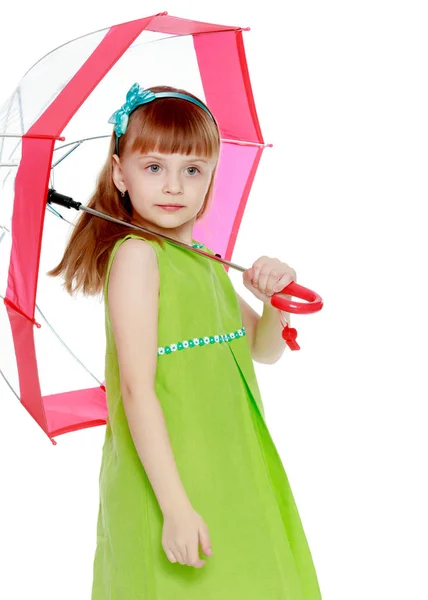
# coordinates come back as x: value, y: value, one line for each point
x: 172, y: 125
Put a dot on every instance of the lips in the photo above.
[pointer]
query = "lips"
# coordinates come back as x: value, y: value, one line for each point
x: 170, y: 209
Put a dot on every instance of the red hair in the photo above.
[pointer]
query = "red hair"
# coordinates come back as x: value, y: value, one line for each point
x: 166, y: 125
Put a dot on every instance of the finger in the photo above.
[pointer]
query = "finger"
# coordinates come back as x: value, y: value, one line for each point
x: 170, y: 556
x: 274, y: 283
x: 256, y: 279
x: 263, y: 276
x: 282, y: 283
x: 262, y: 282
x: 257, y: 269
x: 204, y: 538
x: 268, y: 278
x: 178, y: 555
x: 194, y: 559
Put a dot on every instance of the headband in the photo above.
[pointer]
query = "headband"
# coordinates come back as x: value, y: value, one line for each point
x: 136, y: 96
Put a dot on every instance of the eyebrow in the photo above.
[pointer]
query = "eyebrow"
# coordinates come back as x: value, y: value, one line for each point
x: 188, y: 159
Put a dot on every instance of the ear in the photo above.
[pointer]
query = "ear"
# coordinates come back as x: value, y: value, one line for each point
x: 117, y: 174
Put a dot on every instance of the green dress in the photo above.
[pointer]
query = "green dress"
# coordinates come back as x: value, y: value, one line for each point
x: 227, y: 461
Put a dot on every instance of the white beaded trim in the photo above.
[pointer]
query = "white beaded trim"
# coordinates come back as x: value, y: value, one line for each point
x: 202, y: 341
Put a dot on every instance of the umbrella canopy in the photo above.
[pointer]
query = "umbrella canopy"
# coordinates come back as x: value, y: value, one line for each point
x: 53, y: 126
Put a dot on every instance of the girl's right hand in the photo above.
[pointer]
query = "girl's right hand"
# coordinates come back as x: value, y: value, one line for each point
x: 183, y: 529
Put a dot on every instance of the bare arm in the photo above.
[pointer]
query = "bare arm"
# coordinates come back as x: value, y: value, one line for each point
x: 133, y: 303
x: 264, y: 332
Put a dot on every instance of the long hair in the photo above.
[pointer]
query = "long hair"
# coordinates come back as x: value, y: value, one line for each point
x: 166, y: 125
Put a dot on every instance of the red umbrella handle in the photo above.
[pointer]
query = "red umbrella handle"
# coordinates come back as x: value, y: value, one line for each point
x: 314, y: 304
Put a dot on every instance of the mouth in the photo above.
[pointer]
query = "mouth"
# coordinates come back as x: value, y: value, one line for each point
x: 170, y: 206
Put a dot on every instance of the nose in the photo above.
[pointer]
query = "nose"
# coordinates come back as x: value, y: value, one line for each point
x: 172, y: 184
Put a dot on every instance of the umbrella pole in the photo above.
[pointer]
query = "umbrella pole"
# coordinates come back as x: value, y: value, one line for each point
x: 56, y: 198
x: 314, y: 301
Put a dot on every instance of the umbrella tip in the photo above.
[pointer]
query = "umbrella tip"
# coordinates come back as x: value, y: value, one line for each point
x: 162, y: 14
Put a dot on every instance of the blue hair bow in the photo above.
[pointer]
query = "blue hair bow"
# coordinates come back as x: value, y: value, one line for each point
x: 135, y: 96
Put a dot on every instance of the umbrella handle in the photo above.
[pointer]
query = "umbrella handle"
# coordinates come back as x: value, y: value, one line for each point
x: 314, y: 304
x: 314, y: 301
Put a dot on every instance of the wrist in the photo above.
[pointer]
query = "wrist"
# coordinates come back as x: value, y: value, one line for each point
x: 267, y: 300
x: 176, y: 504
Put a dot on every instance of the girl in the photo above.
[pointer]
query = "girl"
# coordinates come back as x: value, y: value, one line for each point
x: 187, y: 458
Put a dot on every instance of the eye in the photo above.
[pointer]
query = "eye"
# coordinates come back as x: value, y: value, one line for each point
x: 154, y: 168
x: 193, y: 170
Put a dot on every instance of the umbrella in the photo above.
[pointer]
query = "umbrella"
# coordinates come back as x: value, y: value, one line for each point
x: 51, y: 125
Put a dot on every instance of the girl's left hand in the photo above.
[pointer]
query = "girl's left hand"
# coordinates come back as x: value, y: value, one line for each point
x: 268, y: 276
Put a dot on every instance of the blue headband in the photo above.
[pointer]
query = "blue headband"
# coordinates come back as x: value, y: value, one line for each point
x: 135, y: 97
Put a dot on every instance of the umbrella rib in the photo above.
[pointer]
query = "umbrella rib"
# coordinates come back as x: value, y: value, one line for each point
x: 66, y: 347
x: 34, y: 136
x: 9, y: 384
x: 226, y: 140
x: 244, y: 143
x: 65, y: 44
x: 21, y: 116
x: 3, y: 233
x: 95, y: 137
x: 77, y: 144
x: 59, y: 215
x: 9, y: 108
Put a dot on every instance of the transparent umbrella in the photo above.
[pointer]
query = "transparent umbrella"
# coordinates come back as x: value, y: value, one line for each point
x: 53, y: 124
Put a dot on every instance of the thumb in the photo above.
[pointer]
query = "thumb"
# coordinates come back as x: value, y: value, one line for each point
x: 205, y: 542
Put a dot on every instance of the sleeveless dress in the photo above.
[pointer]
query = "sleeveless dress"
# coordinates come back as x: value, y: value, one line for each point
x: 227, y: 461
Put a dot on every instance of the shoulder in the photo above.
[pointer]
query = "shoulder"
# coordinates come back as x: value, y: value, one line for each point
x: 134, y: 246
x: 133, y: 252
x: 134, y: 262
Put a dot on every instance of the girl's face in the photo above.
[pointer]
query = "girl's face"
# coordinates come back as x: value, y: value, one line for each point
x: 154, y: 180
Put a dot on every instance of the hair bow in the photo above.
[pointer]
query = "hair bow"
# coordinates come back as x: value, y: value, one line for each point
x: 134, y: 97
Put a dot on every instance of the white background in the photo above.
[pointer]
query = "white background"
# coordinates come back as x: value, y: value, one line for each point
x: 341, y: 91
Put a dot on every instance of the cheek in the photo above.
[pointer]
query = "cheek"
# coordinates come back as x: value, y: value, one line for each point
x: 141, y: 184
x: 201, y: 184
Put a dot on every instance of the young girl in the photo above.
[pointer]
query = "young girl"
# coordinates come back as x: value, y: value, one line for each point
x: 187, y: 459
